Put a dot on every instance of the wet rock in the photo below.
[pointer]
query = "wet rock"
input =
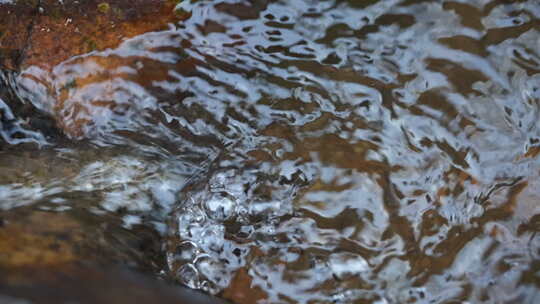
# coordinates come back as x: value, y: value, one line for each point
x: 44, y: 48
x: 45, y: 33
x: 17, y: 18
x: 61, y: 257
x: 90, y: 284
x: 91, y: 91
x: 85, y: 26
x: 237, y: 291
x: 33, y: 238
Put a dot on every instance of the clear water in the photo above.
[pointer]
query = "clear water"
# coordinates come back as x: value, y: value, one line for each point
x: 335, y: 151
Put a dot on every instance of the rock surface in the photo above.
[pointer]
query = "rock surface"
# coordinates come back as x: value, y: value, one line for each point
x: 48, y: 32
x: 60, y: 50
x: 51, y: 257
x: 17, y: 19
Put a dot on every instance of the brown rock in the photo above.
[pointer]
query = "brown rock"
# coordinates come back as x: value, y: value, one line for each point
x: 241, y: 291
x: 85, y: 102
x: 16, y: 22
x: 38, y: 239
x: 93, y: 284
x: 69, y: 28
x: 50, y: 257
x: 37, y: 242
x: 43, y: 37
x: 47, y: 32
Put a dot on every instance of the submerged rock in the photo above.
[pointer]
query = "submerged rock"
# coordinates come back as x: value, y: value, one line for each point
x: 89, y: 284
x: 34, y: 238
x: 60, y: 51
x: 82, y: 258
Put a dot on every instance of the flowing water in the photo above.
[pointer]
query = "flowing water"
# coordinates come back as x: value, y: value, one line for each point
x: 304, y: 151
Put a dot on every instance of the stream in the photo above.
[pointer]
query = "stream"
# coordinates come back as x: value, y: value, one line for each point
x: 300, y: 151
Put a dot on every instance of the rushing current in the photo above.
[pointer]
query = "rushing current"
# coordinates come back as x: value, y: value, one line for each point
x: 305, y: 151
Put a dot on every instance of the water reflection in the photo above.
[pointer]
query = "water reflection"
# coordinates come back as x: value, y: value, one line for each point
x: 316, y: 151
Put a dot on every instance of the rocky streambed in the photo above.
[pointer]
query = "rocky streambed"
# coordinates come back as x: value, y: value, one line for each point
x: 289, y: 151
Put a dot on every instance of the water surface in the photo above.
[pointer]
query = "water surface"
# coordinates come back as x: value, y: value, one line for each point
x: 301, y: 151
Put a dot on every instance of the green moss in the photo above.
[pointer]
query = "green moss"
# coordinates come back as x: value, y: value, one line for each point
x: 181, y: 13
x: 55, y: 13
x: 89, y: 44
x: 118, y: 13
x: 104, y: 7
x: 32, y: 3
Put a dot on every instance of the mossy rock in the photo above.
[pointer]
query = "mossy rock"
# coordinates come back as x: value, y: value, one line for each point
x: 48, y: 32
